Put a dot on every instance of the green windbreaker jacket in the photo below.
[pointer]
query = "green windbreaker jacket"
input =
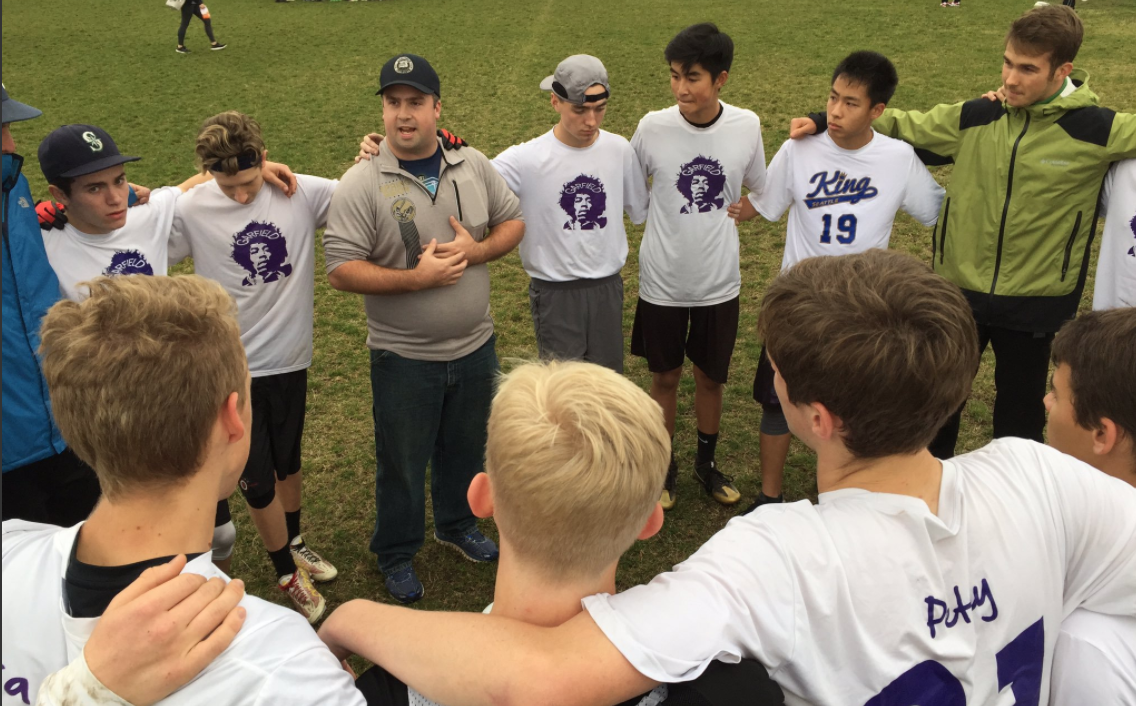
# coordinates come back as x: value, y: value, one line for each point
x: 1020, y: 214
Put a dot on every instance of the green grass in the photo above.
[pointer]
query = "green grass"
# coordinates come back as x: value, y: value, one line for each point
x: 308, y: 72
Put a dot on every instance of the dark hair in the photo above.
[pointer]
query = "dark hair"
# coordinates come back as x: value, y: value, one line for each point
x: 64, y: 184
x: 887, y: 345
x: 871, y: 70
x: 704, y: 45
x: 1100, y: 349
x: 1048, y: 29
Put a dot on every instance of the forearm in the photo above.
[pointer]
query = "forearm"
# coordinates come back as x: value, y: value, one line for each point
x: 75, y: 685
x: 576, y: 664
x: 362, y: 277
x: 500, y: 242
x: 194, y: 180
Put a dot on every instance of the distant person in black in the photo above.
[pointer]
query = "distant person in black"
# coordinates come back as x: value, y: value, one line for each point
x: 188, y: 10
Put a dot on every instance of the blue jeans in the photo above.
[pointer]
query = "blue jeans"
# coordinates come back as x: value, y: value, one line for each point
x: 427, y: 411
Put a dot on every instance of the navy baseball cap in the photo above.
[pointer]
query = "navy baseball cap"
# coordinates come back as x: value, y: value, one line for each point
x: 15, y: 111
x: 409, y: 70
x: 74, y: 150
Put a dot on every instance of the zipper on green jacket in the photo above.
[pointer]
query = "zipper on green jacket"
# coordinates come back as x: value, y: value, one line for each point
x: 1006, y: 206
x: 943, y: 239
x: 1069, y: 246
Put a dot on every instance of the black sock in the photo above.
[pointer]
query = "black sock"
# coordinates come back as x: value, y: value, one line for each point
x: 292, y: 519
x: 282, y: 561
x: 707, y: 443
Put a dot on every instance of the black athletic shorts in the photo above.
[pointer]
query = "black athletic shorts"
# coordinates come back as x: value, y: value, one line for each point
x: 764, y: 393
x: 667, y: 335
x: 278, y: 406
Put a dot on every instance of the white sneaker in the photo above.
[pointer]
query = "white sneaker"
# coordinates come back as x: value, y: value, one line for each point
x: 318, y: 568
x: 304, y: 595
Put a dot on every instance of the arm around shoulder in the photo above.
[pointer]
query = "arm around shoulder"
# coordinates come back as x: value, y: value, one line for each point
x: 430, y: 651
x: 937, y: 130
x: 1122, y: 138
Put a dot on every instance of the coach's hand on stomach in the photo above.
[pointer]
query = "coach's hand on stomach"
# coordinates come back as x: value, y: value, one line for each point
x: 436, y: 269
x: 161, y: 631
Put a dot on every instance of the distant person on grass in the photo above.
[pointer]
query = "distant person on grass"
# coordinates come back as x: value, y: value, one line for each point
x: 574, y: 462
x: 259, y: 244
x: 698, y: 153
x: 1020, y: 212
x: 579, y: 178
x: 412, y: 230
x: 842, y: 189
x: 198, y: 9
x: 1092, y: 416
x: 913, y: 580
x: 163, y: 461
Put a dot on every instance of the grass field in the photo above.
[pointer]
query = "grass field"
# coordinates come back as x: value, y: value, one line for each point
x: 308, y: 72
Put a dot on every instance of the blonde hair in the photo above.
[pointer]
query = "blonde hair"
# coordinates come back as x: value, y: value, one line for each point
x: 577, y: 456
x: 137, y: 373
x: 222, y: 140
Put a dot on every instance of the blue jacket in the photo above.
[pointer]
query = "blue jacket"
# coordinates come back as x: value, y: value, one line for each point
x: 30, y: 288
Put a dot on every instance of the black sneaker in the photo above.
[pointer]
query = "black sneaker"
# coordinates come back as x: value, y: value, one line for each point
x: 182, y: 50
x: 667, y: 500
x: 762, y: 499
x: 217, y: 46
x: 719, y: 485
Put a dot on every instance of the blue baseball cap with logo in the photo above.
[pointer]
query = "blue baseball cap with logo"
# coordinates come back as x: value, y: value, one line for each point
x: 409, y: 70
x: 75, y: 150
x: 15, y: 111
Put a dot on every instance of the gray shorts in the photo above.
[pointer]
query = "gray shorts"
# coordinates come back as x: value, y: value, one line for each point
x: 579, y: 320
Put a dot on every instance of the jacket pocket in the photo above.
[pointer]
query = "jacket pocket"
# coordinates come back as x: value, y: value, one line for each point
x: 1069, y: 246
x: 942, y: 234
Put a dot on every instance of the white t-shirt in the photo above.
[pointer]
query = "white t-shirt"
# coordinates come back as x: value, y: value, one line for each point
x: 573, y: 200
x: 844, y: 201
x: 867, y: 593
x: 137, y: 248
x: 276, y: 658
x: 1095, y: 661
x: 690, y: 254
x: 263, y: 254
x: 1116, y: 268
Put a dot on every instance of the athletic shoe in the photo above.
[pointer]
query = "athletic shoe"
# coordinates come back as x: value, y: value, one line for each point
x: 404, y: 585
x: 720, y: 486
x: 182, y: 50
x: 318, y: 568
x: 217, y: 46
x: 305, y: 597
x: 667, y: 500
x: 474, y: 546
x: 762, y: 499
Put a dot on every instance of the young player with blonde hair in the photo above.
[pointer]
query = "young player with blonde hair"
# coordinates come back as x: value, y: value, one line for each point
x: 575, y: 458
x: 163, y: 461
x: 259, y: 243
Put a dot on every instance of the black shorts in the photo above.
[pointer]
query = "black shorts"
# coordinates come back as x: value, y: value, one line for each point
x: 278, y: 407
x: 764, y: 393
x: 667, y: 335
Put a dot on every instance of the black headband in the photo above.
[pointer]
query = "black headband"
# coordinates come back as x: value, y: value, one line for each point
x: 560, y: 91
x: 245, y: 160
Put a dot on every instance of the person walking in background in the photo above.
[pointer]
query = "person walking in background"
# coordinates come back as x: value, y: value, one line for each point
x: 188, y: 10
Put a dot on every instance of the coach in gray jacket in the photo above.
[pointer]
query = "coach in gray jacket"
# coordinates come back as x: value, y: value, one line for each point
x: 412, y: 230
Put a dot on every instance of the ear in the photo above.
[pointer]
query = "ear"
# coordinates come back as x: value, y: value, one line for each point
x: 58, y: 195
x: 720, y: 81
x: 480, y: 496
x: 824, y: 424
x: 1107, y: 437
x: 437, y: 108
x: 654, y: 523
x: 878, y: 110
x: 264, y: 157
x: 1064, y: 70
x: 230, y: 417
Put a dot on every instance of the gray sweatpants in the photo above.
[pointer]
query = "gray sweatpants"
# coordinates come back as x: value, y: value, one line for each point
x: 579, y: 320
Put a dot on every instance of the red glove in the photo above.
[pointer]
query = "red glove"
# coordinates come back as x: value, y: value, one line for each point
x: 51, y: 215
x: 451, y: 141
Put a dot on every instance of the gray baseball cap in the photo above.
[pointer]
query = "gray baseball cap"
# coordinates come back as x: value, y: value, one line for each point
x: 15, y: 111
x: 574, y: 76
